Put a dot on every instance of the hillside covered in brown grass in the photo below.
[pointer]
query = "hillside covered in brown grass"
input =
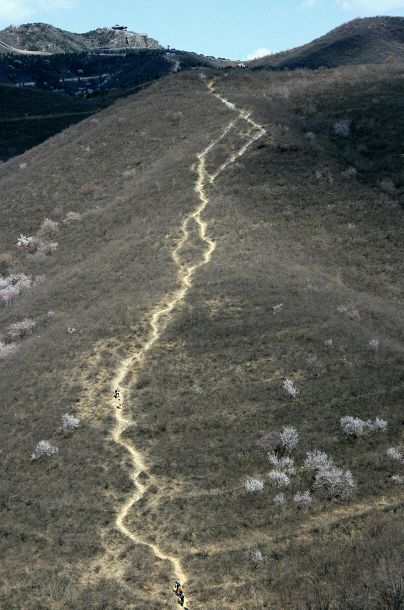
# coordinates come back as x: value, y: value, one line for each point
x: 237, y: 270
x: 370, y: 40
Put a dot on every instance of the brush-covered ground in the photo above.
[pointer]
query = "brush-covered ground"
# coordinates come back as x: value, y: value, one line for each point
x: 292, y: 226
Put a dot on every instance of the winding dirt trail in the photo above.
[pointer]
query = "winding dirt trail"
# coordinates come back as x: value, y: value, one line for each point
x: 161, y: 315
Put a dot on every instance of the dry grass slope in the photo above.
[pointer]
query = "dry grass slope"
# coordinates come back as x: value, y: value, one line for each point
x: 290, y: 228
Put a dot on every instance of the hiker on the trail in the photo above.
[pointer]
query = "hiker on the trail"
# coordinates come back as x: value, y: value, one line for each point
x: 182, y: 598
x: 117, y: 393
x: 177, y: 586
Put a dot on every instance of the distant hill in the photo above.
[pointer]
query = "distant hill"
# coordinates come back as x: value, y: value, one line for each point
x: 47, y: 39
x: 372, y: 40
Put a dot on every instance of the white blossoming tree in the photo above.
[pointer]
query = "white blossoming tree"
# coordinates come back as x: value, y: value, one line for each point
x: 44, y: 448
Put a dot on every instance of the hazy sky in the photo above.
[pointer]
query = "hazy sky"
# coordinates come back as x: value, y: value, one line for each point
x: 224, y: 28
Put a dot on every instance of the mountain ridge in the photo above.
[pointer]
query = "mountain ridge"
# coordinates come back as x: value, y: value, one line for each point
x: 48, y: 39
x: 362, y: 40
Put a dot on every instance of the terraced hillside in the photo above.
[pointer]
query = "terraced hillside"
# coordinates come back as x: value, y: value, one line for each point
x: 225, y: 248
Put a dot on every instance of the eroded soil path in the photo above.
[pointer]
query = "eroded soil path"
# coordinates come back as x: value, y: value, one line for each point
x: 160, y: 316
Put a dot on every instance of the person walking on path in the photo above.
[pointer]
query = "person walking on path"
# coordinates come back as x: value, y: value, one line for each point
x: 182, y: 598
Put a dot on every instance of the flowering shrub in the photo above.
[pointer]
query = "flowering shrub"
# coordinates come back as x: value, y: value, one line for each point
x: 397, y: 479
x: 254, y: 485
x: 21, y: 329
x: 279, y: 478
x: 289, y: 386
x: 48, y: 227
x: 342, y: 127
x: 23, y: 241
x: 329, y: 343
x: 335, y: 481
x: 302, y: 499
x: 256, y: 556
x: 373, y: 345
x: 51, y: 313
x: 72, y: 217
x: 289, y: 437
x: 356, y: 427
x: 350, y: 310
x: 71, y: 330
x: 394, y: 454
x: 12, y: 285
x: 6, y: 349
x: 282, y: 463
x: 44, y: 448
x: 47, y: 248
x: 280, y: 499
x: 277, y: 308
x: 316, y: 460
x: 69, y: 422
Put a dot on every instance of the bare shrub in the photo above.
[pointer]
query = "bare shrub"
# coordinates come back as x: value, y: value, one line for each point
x: 177, y: 116
x: 350, y: 310
x: 342, y: 127
x: 71, y: 330
x: 6, y: 349
x: 21, y: 329
x: 315, y: 365
x: 51, y: 314
x: 6, y: 260
x: 289, y: 386
x: 316, y: 460
x: 335, y: 481
x: 351, y: 172
x: 48, y: 227
x: 329, y: 344
x: 387, y: 186
x: 394, y: 454
x: 374, y: 345
x: 24, y: 242
x: 356, y: 427
x: 310, y: 136
x: 72, y: 217
x: 279, y: 478
x: 89, y: 189
x: 69, y: 423
x: 302, y: 499
x: 289, y: 437
x: 47, y: 248
x: 254, y: 485
x: 44, y: 448
x: 271, y: 441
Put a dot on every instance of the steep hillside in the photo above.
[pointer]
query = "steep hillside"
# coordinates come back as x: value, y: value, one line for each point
x: 45, y: 38
x: 372, y: 40
x: 208, y: 248
x: 30, y: 116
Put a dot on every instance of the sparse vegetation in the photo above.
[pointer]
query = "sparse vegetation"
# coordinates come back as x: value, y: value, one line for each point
x: 214, y: 383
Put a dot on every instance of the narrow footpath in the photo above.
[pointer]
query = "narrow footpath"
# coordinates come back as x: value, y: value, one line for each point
x: 160, y: 317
